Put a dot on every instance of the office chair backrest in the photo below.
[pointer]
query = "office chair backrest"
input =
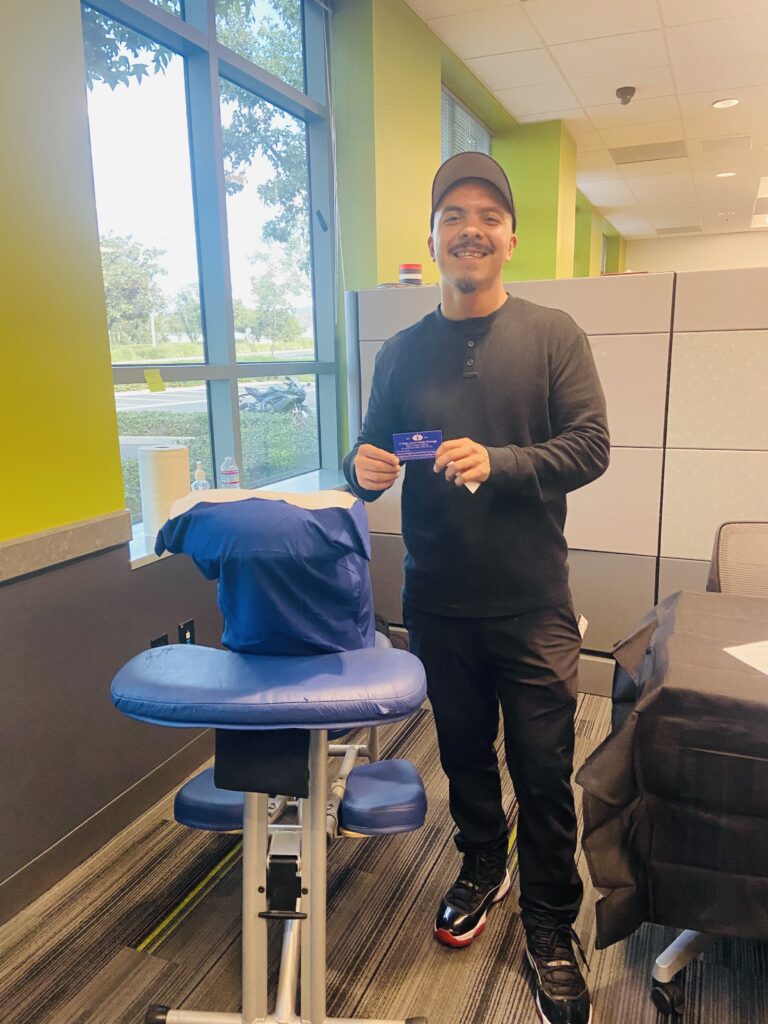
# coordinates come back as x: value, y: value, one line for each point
x: 740, y: 560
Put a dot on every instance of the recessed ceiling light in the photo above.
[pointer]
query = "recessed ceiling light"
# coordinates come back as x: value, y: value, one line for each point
x: 726, y: 174
x: 722, y: 104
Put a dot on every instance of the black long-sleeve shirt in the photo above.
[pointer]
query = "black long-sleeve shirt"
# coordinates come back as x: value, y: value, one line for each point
x: 522, y: 382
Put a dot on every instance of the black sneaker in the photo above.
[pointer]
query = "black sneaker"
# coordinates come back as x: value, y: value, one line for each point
x: 483, y: 881
x: 562, y: 996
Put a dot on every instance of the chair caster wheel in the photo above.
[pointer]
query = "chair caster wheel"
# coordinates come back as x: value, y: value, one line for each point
x: 668, y: 998
x: 157, y: 1015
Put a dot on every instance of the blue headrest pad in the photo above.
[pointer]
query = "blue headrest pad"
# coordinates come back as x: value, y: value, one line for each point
x: 200, y: 687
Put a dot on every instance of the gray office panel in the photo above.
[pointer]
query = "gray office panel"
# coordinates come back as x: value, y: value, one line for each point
x: 65, y: 751
x: 633, y: 372
x: 718, y: 396
x: 596, y: 675
x: 705, y: 488
x: 681, y: 574
x: 722, y: 300
x: 631, y: 304
x: 619, y: 511
x: 384, y: 513
x: 368, y: 353
x: 612, y: 591
x: 387, y: 553
x: 385, y: 311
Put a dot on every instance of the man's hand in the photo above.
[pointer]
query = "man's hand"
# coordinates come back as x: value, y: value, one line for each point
x: 375, y: 469
x: 464, y: 461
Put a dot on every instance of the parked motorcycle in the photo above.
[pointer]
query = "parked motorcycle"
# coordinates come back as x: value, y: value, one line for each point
x: 288, y: 395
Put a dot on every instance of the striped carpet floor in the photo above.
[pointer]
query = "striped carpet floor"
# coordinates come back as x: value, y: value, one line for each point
x: 88, y: 952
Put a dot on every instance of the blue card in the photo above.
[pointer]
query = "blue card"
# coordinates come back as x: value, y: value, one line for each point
x: 421, y: 444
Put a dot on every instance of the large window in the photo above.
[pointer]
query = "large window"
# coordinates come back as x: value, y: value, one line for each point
x: 214, y: 205
x: 461, y: 130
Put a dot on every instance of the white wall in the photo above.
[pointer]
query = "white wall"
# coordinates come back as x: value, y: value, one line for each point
x: 701, y: 252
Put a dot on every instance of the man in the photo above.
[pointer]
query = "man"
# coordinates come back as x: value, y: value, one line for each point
x: 513, y: 388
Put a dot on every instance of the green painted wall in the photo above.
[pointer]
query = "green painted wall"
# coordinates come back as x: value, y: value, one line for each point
x: 60, y: 457
x: 615, y: 254
x: 583, y: 236
x: 406, y: 76
x: 541, y: 165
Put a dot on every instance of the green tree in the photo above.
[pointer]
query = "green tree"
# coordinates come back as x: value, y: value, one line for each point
x: 116, y: 55
x: 273, y: 317
x: 187, y: 309
x: 133, y: 295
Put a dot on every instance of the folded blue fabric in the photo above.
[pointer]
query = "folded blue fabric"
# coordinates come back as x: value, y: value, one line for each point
x: 291, y: 580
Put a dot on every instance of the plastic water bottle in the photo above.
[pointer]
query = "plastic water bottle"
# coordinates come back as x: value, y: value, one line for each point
x: 200, y: 483
x: 230, y: 474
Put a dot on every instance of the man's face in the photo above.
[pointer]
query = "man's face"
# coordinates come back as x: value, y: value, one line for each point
x: 472, y: 237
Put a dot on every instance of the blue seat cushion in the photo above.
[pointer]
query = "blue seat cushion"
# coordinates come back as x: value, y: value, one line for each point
x: 200, y: 804
x: 383, y: 798
x: 202, y: 687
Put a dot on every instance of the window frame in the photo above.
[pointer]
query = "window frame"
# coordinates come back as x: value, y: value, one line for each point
x: 193, y: 36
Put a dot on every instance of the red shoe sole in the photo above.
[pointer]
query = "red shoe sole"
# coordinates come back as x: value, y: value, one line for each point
x: 455, y: 941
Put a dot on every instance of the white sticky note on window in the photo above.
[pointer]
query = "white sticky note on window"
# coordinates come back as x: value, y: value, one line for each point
x: 755, y: 655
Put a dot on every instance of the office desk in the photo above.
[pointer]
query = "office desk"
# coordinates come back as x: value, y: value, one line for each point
x: 676, y: 799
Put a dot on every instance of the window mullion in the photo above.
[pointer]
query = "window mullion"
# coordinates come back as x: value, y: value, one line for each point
x: 213, y: 248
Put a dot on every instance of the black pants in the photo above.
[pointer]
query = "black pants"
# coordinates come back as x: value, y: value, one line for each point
x: 529, y: 664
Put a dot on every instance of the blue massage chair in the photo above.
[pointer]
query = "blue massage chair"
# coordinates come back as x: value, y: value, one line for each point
x: 303, y: 665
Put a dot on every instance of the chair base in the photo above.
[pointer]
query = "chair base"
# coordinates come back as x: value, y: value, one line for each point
x: 163, y: 1015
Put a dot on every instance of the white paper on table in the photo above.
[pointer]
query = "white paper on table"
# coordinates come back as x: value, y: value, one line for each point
x: 755, y: 655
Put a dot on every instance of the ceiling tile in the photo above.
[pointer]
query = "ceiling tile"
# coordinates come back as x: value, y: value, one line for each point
x: 559, y: 22
x: 620, y: 54
x: 499, y: 30
x: 649, y: 82
x: 683, y: 12
x: 631, y: 224
x: 438, y: 8
x: 514, y: 70
x: 537, y: 99
x: 722, y: 74
x: 653, y: 188
x: 614, y: 115
x: 649, y: 168
x: 740, y: 123
x: 642, y: 134
x: 597, y: 160
x: 608, y: 192
x: 575, y: 120
x: 589, y: 141
x: 699, y: 104
x: 709, y: 40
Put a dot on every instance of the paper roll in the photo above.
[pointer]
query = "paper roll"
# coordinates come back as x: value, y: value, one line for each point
x: 163, y: 478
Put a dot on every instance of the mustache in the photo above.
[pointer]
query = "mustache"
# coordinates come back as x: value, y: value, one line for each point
x: 485, y: 249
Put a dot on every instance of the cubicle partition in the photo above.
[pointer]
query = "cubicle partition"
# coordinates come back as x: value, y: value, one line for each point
x: 683, y: 359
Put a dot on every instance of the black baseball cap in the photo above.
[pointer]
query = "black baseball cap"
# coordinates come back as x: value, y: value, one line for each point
x: 471, y: 165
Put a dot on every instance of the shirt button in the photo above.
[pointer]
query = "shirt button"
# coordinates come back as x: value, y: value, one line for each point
x: 470, y: 362
x: 470, y: 344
